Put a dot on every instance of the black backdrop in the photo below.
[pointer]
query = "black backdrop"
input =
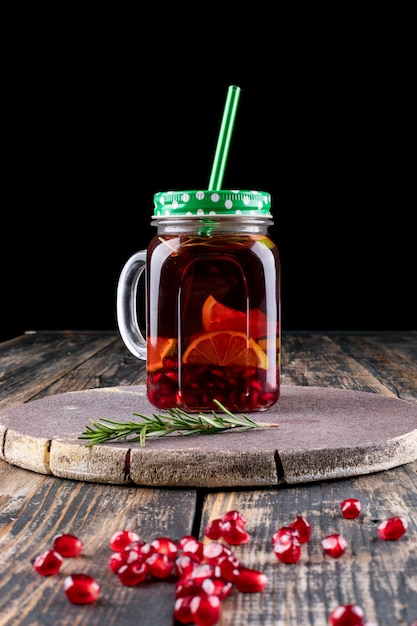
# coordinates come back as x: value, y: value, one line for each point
x: 101, y: 118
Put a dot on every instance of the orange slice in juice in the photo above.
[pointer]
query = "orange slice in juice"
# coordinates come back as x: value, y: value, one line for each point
x: 225, y: 347
x: 158, y: 348
x: 217, y: 316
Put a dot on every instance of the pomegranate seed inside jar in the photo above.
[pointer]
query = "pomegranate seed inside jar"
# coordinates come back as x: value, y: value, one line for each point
x: 67, y: 545
x: 392, y: 528
x: 334, y: 545
x: 81, y: 589
x: 48, y: 563
x: 347, y: 615
x: 351, y: 508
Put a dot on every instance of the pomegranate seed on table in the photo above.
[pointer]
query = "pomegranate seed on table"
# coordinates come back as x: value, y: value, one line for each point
x: 213, y: 530
x: 205, y: 610
x: 347, y: 615
x: 165, y: 545
x: 227, y: 566
x: 334, y: 545
x: 351, y: 508
x: 67, y: 545
x: 132, y: 574
x: 81, y: 589
x: 392, y: 528
x: 229, y: 527
x: 121, y: 539
x: 233, y: 516
x: 182, y: 612
x: 234, y: 534
x: 286, y: 545
x: 248, y: 580
x: 214, y: 550
x: 159, y: 565
x: 48, y: 563
x: 184, y: 564
x: 192, y: 546
x: 303, y: 526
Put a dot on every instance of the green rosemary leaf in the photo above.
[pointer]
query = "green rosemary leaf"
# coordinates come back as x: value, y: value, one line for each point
x: 162, y: 424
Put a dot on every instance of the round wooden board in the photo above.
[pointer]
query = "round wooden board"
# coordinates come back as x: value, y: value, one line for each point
x: 323, y: 433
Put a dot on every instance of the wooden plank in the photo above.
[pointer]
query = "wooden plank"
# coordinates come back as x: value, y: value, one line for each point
x: 379, y: 363
x: 32, y: 362
x: 390, y: 357
x: 378, y: 575
x: 35, y: 508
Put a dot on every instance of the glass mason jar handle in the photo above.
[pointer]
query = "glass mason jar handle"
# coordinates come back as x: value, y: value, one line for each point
x: 126, y: 305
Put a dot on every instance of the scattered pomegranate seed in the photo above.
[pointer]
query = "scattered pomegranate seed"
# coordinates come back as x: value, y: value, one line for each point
x: 67, y: 545
x: 334, y: 545
x: 234, y: 516
x: 347, y: 615
x: 351, y: 508
x: 132, y: 574
x: 213, y: 530
x: 165, y: 545
x: 250, y: 580
x: 286, y: 545
x: 214, y: 550
x: 184, y: 565
x: 392, y: 528
x: 304, y: 527
x: 48, y: 563
x: 121, y: 539
x: 193, y: 546
x: 160, y: 565
x: 229, y: 527
x: 205, y: 610
x: 234, y: 534
x: 182, y: 612
x: 81, y: 589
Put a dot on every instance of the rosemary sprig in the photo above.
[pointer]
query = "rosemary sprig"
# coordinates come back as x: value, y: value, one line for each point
x: 162, y: 424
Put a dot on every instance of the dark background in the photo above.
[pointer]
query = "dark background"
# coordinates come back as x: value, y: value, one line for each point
x: 105, y: 109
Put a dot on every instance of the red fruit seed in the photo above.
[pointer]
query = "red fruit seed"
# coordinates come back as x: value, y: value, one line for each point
x: 121, y: 539
x: 67, y: 545
x: 248, y: 580
x: 351, y: 508
x: 48, y: 563
x: 81, y: 589
x: 205, y: 610
x: 392, y: 528
x: 334, y: 545
x: 304, y: 527
x: 347, y: 615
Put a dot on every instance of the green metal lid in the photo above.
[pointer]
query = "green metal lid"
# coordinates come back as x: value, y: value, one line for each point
x: 224, y: 202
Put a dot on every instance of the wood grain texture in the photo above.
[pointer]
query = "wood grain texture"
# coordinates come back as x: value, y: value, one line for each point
x: 322, y: 433
x: 380, y: 576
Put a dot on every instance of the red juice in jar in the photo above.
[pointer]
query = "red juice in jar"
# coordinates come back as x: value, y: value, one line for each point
x: 213, y: 302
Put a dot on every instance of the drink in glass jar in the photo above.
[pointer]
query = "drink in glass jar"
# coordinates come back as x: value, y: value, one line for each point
x: 212, y: 302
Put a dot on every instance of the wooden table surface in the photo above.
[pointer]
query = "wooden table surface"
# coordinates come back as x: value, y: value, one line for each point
x: 380, y: 576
